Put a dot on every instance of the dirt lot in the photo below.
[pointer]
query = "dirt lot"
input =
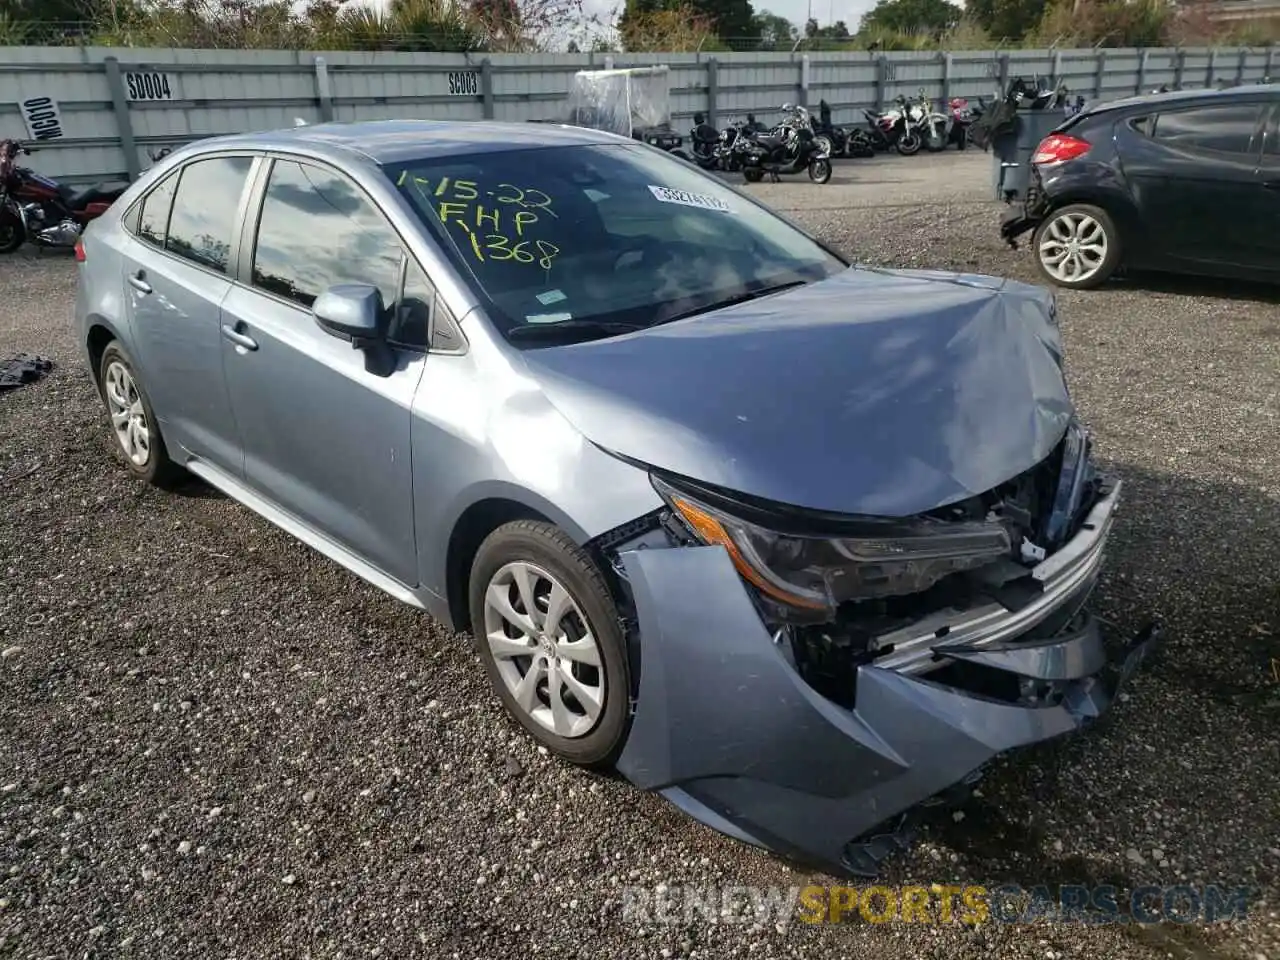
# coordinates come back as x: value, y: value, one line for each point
x: 216, y: 743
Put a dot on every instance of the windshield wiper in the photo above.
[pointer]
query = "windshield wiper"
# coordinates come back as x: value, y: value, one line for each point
x: 572, y: 330
x: 732, y: 301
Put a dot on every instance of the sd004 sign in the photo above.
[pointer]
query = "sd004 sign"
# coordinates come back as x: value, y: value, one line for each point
x: 464, y: 83
x: 148, y: 85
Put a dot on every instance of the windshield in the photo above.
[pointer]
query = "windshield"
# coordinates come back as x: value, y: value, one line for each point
x: 612, y: 234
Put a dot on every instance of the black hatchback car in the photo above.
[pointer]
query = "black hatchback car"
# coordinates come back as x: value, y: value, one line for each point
x: 1185, y: 182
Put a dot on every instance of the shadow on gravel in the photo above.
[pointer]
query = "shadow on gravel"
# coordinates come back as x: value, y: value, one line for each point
x: 193, y: 488
x: 1188, y: 286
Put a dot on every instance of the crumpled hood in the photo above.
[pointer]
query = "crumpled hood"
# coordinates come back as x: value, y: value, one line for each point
x: 874, y: 392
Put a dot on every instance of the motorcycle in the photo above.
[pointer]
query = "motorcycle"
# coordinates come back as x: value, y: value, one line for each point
x: 788, y: 148
x: 934, y: 125
x: 895, y: 129
x: 705, y: 146
x: 963, y: 115
x: 36, y: 208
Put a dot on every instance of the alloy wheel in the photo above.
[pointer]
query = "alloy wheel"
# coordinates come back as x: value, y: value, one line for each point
x: 544, y: 650
x: 128, y: 416
x: 1073, y: 247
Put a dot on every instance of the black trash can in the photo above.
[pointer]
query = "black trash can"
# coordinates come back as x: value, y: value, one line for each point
x: 1013, y: 150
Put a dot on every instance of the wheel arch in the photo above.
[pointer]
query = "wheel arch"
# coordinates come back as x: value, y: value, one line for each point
x: 1119, y: 206
x: 99, y: 335
x: 469, y: 530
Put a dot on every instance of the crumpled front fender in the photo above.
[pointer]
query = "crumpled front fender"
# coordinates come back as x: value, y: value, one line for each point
x: 726, y: 728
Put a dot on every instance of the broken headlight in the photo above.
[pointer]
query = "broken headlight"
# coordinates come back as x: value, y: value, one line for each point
x: 875, y: 558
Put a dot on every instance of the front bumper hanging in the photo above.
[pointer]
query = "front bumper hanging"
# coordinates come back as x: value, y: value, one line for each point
x: 726, y: 729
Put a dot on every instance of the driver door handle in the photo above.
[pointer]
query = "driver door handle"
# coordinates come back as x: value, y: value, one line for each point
x: 1271, y: 184
x: 239, y: 339
x: 139, y: 282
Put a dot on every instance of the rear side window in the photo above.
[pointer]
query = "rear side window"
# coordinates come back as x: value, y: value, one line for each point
x: 1224, y: 128
x: 204, y: 210
x: 153, y: 223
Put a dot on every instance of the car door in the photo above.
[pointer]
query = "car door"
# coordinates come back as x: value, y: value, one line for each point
x: 181, y: 245
x: 323, y: 438
x: 1194, y: 174
x: 1269, y: 174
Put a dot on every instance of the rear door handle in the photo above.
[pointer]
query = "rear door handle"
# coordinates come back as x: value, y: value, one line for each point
x: 139, y: 282
x: 238, y: 338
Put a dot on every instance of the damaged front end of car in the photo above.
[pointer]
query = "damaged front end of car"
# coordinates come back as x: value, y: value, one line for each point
x: 806, y: 680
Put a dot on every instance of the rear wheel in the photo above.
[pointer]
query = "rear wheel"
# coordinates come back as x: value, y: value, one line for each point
x: 549, y: 635
x: 1077, y: 246
x: 133, y: 422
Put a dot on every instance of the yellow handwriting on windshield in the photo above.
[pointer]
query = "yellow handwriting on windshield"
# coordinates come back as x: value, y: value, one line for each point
x: 499, y: 224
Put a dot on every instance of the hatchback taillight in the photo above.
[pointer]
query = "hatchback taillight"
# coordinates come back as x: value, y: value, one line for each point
x: 1058, y: 147
x: 80, y: 257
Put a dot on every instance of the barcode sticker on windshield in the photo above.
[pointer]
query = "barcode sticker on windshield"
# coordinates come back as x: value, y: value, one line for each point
x: 667, y: 195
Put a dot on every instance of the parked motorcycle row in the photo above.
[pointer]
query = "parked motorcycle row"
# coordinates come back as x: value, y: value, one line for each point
x: 801, y: 141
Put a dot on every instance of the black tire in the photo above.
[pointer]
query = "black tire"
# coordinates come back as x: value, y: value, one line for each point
x: 548, y: 547
x: 909, y: 144
x: 1110, y: 260
x: 752, y: 174
x: 963, y: 140
x: 158, y: 470
x: 12, y: 234
x: 823, y: 143
x: 819, y: 169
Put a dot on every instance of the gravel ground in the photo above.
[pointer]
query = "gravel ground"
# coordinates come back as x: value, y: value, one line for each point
x: 217, y: 743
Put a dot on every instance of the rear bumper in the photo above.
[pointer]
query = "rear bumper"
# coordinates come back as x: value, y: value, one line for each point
x: 727, y: 729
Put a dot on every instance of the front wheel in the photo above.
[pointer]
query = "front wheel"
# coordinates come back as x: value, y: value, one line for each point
x: 909, y: 144
x: 936, y: 141
x: 752, y: 174
x: 12, y: 233
x: 550, y: 638
x: 820, y: 169
x: 1077, y: 246
x: 822, y: 143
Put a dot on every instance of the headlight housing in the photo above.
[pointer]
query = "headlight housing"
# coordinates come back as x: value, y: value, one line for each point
x: 875, y: 558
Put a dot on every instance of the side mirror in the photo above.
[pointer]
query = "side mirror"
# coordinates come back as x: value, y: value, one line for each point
x: 352, y: 311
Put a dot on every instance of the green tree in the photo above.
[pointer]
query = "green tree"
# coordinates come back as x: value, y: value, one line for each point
x: 1007, y: 19
x: 912, y: 16
x: 774, y: 31
x: 731, y: 19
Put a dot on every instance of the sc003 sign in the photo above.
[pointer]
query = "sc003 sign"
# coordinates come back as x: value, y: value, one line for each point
x: 148, y: 85
x: 42, y: 118
x: 464, y: 83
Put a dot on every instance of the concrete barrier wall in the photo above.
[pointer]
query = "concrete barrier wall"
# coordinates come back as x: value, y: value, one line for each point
x: 103, y: 109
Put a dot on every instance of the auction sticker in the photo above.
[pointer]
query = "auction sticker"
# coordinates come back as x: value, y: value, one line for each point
x: 684, y: 198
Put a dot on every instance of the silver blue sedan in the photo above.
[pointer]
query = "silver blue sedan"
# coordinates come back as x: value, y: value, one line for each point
x: 796, y: 543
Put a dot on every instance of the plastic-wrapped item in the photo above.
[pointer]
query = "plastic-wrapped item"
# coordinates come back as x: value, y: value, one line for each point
x: 623, y: 101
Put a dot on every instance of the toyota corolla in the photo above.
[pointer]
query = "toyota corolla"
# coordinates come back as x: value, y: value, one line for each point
x: 798, y: 544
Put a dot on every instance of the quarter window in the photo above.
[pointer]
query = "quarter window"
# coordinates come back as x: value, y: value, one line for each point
x: 1228, y: 128
x: 153, y: 224
x: 204, y: 210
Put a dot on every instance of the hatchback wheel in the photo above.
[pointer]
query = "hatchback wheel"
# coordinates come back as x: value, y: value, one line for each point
x: 133, y: 423
x: 1077, y: 246
x: 550, y: 638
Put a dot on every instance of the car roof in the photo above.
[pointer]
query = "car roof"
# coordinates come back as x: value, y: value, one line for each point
x: 392, y: 141
x: 1186, y: 97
